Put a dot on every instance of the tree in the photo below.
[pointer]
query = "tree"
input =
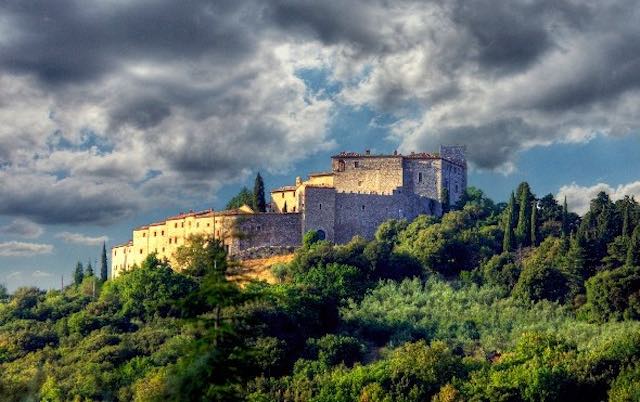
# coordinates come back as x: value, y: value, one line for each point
x: 88, y: 272
x: 509, y: 222
x: 4, y: 294
x: 259, y: 202
x: 633, y: 253
x: 534, y: 224
x: 78, y: 274
x: 103, y: 264
x: 523, y: 229
x: 565, y: 218
x: 244, y: 197
x: 202, y: 255
x: 613, y: 295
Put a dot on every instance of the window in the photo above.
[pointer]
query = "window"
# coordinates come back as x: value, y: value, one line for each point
x: 341, y: 166
x: 282, y: 195
x: 155, y: 234
x: 294, y: 209
x: 208, y: 224
x: 175, y: 225
x: 140, y: 251
x: 162, y: 234
x: 115, y: 252
x: 359, y: 182
x: 144, y: 235
x: 456, y: 188
x: 170, y: 240
x: 163, y: 249
x: 198, y: 224
x: 363, y: 207
x: 258, y: 227
x: 321, y: 234
x: 420, y: 177
x: 320, y: 206
x: 356, y: 164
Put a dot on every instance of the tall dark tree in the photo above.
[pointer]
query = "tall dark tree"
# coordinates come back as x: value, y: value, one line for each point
x: 509, y: 223
x: 103, y: 263
x: 259, y: 202
x: 633, y: 254
x: 78, y: 274
x: 534, y: 224
x: 88, y: 271
x: 523, y: 230
x: 565, y: 218
x: 626, y: 220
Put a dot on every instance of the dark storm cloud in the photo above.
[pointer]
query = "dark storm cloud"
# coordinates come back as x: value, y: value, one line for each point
x: 44, y: 199
x: 191, y: 94
x: 69, y: 41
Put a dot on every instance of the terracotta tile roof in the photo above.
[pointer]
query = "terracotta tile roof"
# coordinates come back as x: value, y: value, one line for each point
x: 317, y: 174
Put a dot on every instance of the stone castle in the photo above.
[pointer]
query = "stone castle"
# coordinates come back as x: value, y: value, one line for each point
x: 359, y: 193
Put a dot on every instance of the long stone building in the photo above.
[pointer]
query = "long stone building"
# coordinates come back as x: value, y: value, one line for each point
x: 359, y: 193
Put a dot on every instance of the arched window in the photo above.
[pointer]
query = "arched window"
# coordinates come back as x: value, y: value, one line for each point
x: 321, y: 234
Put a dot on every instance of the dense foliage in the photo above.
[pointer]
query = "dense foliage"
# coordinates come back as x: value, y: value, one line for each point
x: 491, y: 302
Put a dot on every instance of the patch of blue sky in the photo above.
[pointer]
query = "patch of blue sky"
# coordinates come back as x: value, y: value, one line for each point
x: 606, y: 159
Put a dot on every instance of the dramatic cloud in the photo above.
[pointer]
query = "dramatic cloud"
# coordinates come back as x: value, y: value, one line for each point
x: 106, y: 106
x: 579, y: 197
x: 78, y: 238
x: 21, y: 249
x: 22, y: 228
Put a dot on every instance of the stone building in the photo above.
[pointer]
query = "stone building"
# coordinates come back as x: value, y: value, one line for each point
x: 359, y: 193
x: 364, y: 190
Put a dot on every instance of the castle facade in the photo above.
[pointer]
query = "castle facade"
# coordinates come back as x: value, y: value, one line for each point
x: 359, y: 193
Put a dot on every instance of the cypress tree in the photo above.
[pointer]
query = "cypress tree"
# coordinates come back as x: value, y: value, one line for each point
x: 78, y: 274
x: 103, y: 263
x: 565, y: 218
x: 534, y: 224
x: 626, y: 221
x: 509, y: 220
x: 523, y: 230
x: 633, y: 253
x: 259, y: 202
x: 89, y: 270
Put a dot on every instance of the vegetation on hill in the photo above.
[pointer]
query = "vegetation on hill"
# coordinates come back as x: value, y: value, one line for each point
x: 255, y: 199
x: 491, y: 302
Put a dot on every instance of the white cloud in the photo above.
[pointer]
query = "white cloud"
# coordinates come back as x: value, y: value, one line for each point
x: 579, y: 197
x: 41, y: 274
x: 78, y: 238
x: 21, y: 249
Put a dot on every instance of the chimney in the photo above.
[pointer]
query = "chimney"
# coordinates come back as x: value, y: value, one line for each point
x: 395, y: 152
x: 367, y: 152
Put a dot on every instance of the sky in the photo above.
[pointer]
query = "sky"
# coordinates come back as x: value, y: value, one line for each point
x: 115, y: 113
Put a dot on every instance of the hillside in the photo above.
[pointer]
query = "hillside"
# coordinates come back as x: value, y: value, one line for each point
x: 517, y: 301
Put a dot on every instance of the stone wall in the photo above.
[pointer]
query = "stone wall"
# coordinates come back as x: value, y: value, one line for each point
x: 361, y: 214
x: 422, y: 177
x: 367, y: 174
x: 266, y: 229
x: 319, y: 211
